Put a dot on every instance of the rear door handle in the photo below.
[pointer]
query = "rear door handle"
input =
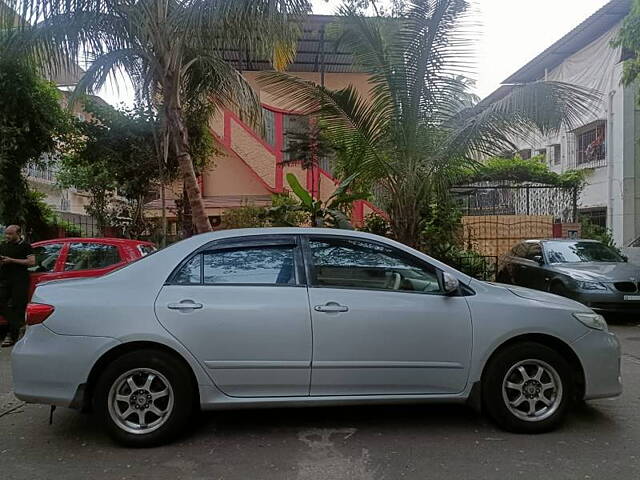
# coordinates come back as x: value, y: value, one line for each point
x: 331, y: 308
x: 185, y: 305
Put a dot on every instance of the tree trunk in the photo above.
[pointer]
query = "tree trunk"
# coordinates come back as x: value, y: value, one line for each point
x: 405, y: 221
x: 187, y: 217
x: 180, y: 138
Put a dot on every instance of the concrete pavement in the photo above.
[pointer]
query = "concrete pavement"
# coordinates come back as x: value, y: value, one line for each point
x: 600, y: 440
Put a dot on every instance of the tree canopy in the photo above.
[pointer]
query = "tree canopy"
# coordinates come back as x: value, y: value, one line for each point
x: 33, y: 127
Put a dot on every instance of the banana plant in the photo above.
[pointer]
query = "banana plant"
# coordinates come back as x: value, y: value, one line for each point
x: 320, y: 214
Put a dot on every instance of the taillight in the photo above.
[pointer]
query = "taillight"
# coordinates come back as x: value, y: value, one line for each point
x: 38, y: 313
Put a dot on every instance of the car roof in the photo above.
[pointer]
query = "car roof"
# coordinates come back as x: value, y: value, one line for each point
x: 113, y: 241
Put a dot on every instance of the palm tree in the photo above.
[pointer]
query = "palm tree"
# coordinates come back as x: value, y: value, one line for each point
x: 175, y: 51
x: 419, y: 121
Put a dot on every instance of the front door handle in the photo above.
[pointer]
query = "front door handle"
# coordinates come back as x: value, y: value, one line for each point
x: 331, y: 308
x: 185, y: 305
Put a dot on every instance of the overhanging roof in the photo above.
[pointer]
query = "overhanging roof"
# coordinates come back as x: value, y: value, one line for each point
x: 591, y: 29
x: 316, y: 52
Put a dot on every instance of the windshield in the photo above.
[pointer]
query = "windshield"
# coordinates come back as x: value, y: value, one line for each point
x: 575, y: 252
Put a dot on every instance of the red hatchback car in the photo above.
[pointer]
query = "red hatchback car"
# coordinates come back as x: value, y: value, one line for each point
x: 82, y: 257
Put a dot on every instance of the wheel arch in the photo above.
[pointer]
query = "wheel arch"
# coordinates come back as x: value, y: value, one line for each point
x: 552, y: 342
x: 110, y: 355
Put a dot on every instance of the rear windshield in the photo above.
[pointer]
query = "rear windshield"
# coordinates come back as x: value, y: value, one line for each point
x: 577, y: 252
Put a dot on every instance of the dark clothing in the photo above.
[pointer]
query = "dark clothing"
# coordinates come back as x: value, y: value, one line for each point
x: 20, y: 251
x: 14, y: 286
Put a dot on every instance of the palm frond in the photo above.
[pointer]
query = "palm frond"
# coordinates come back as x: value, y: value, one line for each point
x: 545, y: 107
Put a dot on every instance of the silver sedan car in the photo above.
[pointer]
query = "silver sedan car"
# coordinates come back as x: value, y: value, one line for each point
x: 302, y: 317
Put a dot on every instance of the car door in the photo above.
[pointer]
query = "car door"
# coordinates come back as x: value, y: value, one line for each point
x: 521, y: 266
x: 241, y: 308
x: 381, y: 324
x: 535, y: 270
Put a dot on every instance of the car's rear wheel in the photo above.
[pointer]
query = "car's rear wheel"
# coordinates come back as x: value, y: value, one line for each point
x: 528, y: 388
x: 144, y: 398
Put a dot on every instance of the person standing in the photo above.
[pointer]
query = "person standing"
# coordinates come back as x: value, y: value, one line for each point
x: 16, y: 256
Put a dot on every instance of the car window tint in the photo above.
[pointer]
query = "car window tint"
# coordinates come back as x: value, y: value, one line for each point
x: 272, y: 265
x: 361, y: 264
x: 191, y: 272
x: 574, y: 252
x: 519, y: 250
x: 146, y: 249
x: 46, y: 257
x: 533, y: 250
x: 90, y: 256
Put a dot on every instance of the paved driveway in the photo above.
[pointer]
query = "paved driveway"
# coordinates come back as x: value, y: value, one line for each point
x: 600, y: 441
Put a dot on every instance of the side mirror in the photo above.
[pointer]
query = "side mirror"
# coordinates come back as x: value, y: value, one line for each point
x: 538, y: 259
x: 449, y: 283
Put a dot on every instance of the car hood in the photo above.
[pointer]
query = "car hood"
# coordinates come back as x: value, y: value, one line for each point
x: 600, y: 271
x: 544, y: 297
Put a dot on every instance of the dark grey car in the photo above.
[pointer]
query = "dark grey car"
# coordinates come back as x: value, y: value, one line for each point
x: 584, y: 270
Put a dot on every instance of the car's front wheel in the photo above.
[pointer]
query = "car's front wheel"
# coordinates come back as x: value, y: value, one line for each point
x: 144, y: 398
x: 528, y: 388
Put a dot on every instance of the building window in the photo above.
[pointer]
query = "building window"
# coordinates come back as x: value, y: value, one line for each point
x: 591, y: 144
x: 595, y: 216
x: 525, y: 154
x: 268, y: 118
x: 296, y: 129
x: 556, y: 154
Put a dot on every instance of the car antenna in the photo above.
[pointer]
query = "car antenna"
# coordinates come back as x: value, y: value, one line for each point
x: 53, y: 409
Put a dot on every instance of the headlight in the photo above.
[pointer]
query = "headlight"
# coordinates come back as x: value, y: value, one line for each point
x: 591, y: 286
x: 592, y: 320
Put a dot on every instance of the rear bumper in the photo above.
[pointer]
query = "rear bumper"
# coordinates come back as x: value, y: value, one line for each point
x: 599, y: 353
x: 48, y: 368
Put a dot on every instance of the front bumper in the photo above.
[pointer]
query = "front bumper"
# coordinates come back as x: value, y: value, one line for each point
x: 599, y: 353
x: 48, y: 368
x: 607, y: 301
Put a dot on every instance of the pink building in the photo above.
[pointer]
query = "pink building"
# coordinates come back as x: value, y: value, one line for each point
x: 250, y: 168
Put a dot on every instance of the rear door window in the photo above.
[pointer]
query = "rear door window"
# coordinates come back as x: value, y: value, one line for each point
x: 519, y: 250
x: 533, y: 250
x: 46, y: 257
x: 91, y: 256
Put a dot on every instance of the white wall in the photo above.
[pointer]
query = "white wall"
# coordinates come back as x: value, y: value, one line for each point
x: 616, y: 185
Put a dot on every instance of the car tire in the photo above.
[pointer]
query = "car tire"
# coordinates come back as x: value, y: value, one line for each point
x: 145, y: 398
x: 527, y: 388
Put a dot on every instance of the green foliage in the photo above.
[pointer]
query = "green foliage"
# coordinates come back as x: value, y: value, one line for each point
x: 629, y: 39
x: 32, y: 124
x: 283, y: 213
x: 247, y: 216
x: 175, y: 53
x: 418, y: 122
x: 441, y: 230
x: 376, y: 224
x: 115, y: 160
x: 42, y: 222
x: 332, y: 213
x: 519, y: 170
x: 591, y: 231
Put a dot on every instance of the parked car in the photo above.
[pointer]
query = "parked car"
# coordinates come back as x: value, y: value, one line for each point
x: 584, y: 270
x: 299, y: 317
x: 81, y: 257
